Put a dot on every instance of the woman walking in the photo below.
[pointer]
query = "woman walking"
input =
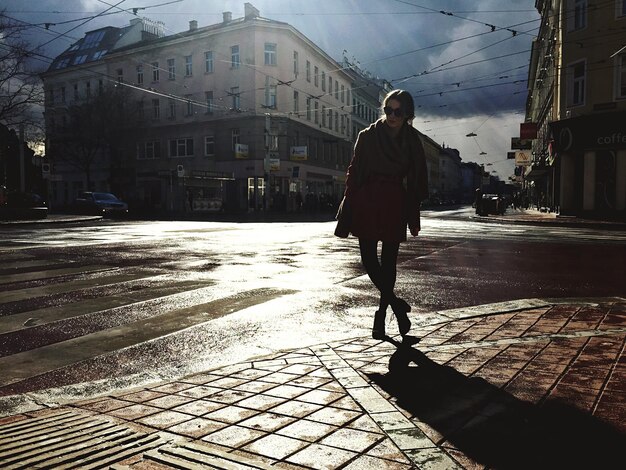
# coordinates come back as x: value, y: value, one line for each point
x: 386, y: 182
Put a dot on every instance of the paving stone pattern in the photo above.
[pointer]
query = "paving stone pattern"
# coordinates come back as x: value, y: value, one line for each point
x: 538, y: 387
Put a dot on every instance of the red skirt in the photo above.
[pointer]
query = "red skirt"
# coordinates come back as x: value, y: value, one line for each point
x: 379, y: 210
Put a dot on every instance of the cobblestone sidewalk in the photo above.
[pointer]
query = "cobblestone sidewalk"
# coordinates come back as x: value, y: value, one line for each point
x: 529, y: 384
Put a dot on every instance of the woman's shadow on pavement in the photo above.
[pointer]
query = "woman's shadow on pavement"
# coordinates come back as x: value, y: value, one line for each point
x: 493, y: 427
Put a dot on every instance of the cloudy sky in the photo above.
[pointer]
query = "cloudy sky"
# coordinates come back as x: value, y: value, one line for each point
x: 465, y: 62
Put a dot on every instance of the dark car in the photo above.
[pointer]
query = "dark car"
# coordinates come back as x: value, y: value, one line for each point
x: 492, y: 204
x: 91, y: 202
x: 19, y: 205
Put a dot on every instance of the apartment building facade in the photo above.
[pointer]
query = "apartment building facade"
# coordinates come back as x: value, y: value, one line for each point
x: 577, y: 103
x: 246, y: 114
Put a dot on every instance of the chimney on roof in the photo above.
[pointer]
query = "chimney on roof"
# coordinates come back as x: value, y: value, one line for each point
x: 250, y: 11
x: 228, y: 16
x: 193, y: 25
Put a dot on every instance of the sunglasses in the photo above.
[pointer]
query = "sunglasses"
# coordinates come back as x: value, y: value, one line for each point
x: 389, y: 110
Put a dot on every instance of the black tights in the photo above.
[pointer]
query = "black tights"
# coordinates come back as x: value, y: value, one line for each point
x: 383, y: 273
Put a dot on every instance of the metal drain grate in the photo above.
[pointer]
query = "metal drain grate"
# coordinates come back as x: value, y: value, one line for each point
x: 69, y: 440
x: 192, y: 456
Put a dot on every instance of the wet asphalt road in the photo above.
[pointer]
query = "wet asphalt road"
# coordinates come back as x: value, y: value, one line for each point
x: 131, y: 302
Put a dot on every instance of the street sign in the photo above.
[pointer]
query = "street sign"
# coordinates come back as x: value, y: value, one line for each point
x: 521, y: 144
x: 528, y: 130
x: 299, y: 153
x: 274, y: 164
x: 241, y: 151
x: 523, y: 158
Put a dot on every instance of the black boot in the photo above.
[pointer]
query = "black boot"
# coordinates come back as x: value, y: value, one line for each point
x: 378, y: 331
x: 400, y: 309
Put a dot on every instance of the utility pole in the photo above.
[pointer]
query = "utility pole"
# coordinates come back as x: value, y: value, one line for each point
x: 266, y: 160
x: 21, y: 153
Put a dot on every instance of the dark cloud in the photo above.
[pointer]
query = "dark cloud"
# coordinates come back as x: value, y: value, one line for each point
x: 454, y: 64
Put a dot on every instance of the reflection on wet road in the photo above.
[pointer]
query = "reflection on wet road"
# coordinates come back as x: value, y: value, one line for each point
x: 153, y: 299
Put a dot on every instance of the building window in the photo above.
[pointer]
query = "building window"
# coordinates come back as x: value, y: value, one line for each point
x: 348, y: 96
x: 234, y: 57
x: 343, y: 124
x: 208, y: 97
x: 75, y: 91
x: 270, y: 94
x: 295, y: 64
x: 317, y: 112
x: 330, y: 119
x: 308, y: 71
x: 316, y: 79
x: 156, y: 109
x: 152, y: 150
x: 88, y: 89
x: 621, y: 8
x: 234, y: 92
x: 323, y: 116
x: 576, y: 82
x: 323, y: 81
x: 155, y: 71
x: 171, y: 69
x: 181, y: 148
x: 235, y: 138
x: 140, y: 75
x: 209, y: 146
x: 330, y: 86
x: 188, y: 106
x: 208, y: 62
x: 171, y: 109
x: 188, y: 66
x: 621, y: 75
x: 62, y: 94
x: 141, y: 112
x: 336, y: 90
x: 577, y: 15
x: 343, y: 91
x: 336, y: 121
x: 308, y: 108
x: 296, y: 99
x: 120, y: 75
x: 270, y: 53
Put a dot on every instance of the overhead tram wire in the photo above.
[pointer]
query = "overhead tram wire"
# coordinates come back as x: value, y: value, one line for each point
x: 330, y: 71
x: 81, y: 24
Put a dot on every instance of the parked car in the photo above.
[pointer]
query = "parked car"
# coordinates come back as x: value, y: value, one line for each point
x: 107, y: 204
x: 19, y: 205
x: 492, y: 204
